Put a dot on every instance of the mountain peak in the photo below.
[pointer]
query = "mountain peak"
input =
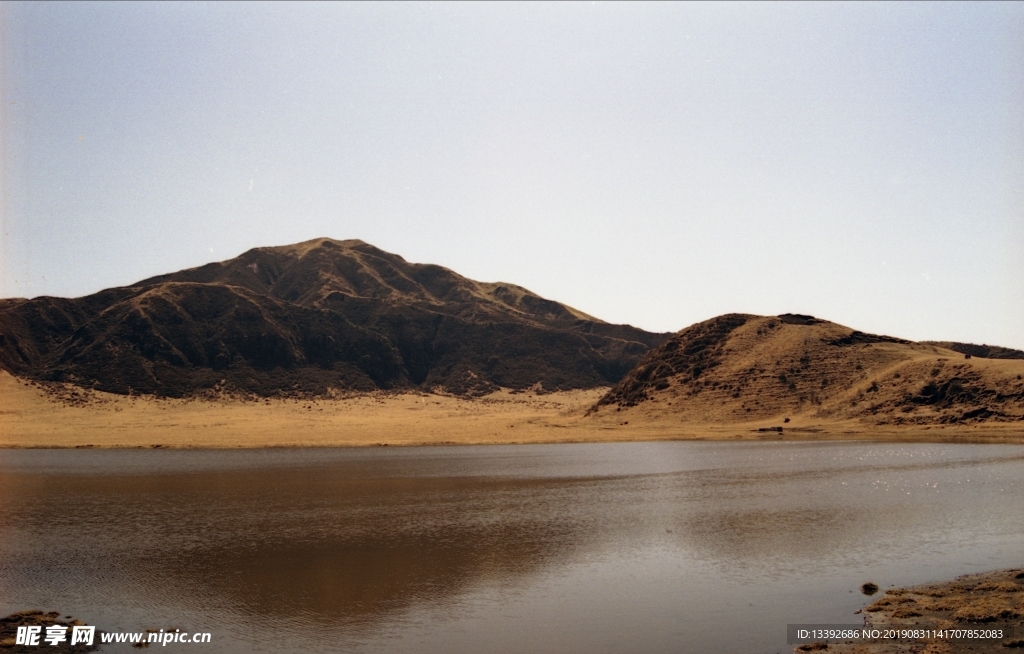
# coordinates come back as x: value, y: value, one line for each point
x: 305, y: 247
x: 324, y: 272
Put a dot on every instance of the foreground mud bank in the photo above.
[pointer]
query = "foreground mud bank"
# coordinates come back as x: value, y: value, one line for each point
x: 980, y: 604
x: 33, y: 416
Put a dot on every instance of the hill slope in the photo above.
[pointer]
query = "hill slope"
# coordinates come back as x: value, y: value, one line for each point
x: 742, y: 368
x: 312, y: 317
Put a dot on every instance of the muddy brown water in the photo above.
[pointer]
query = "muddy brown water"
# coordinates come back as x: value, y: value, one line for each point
x: 631, y: 547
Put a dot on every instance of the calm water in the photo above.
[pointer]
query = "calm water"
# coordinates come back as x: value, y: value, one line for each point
x: 639, y: 547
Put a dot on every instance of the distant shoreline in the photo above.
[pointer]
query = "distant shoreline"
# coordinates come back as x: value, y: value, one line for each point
x: 29, y: 418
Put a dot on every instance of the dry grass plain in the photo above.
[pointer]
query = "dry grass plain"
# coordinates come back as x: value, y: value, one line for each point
x: 33, y: 416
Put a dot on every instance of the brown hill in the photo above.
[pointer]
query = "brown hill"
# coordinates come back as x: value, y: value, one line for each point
x: 312, y: 317
x: 741, y: 368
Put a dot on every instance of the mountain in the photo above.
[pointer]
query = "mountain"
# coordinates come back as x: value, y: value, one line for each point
x: 745, y: 368
x: 314, y: 317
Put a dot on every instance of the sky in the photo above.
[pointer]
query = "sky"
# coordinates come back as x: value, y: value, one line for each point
x: 651, y: 164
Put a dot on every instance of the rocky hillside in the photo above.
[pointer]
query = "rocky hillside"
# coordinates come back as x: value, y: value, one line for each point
x: 314, y: 317
x: 744, y: 368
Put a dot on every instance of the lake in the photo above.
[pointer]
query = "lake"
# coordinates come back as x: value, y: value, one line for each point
x: 631, y: 547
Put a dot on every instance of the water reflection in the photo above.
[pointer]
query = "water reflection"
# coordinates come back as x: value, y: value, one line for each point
x: 375, y: 550
x: 543, y: 548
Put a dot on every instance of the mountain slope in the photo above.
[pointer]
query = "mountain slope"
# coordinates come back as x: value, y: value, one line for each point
x: 312, y: 317
x: 744, y: 368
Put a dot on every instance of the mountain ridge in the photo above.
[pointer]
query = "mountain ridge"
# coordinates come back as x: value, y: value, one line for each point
x: 982, y: 351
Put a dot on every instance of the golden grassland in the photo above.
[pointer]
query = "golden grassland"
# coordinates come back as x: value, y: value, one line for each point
x: 33, y: 415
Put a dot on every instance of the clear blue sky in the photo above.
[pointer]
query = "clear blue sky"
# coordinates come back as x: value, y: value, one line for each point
x: 650, y: 164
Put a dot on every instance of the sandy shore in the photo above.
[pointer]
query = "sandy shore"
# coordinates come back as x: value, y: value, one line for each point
x: 36, y: 416
x: 987, y: 601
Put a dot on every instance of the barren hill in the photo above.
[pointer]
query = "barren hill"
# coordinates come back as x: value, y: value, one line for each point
x: 313, y: 317
x: 741, y: 368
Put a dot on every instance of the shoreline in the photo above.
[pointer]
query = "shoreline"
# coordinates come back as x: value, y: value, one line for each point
x: 977, y: 601
x: 34, y: 417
